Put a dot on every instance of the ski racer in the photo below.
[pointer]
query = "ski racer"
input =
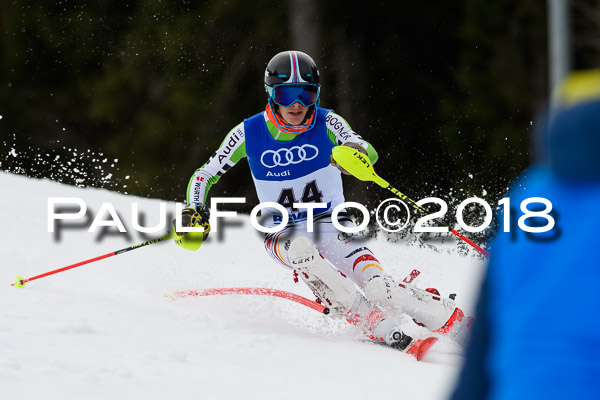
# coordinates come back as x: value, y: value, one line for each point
x: 288, y: 147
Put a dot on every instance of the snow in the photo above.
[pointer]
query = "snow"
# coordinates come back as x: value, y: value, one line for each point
x: 109, y: 330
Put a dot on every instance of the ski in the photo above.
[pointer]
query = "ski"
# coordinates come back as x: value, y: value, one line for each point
x: 420, y: 347
x: 252, y: 291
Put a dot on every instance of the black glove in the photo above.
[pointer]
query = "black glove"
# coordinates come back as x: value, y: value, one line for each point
x: 195, y: 215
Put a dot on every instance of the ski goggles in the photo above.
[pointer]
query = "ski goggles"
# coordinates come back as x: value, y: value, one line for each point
x: 287, y: 94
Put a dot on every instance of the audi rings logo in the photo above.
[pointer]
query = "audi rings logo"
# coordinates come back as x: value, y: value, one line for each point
x: 285, y: 157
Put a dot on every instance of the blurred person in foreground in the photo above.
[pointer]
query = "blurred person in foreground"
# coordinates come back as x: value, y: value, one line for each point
x: 288, y: 146
x: 537, y: 328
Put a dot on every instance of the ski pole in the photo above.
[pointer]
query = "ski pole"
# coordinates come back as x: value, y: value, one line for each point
x: 20, y: 282
x: 359, y: 165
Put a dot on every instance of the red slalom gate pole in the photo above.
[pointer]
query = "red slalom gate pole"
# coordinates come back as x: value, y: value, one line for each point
x: 20, y: 282
x: 473, y: 244
x: 438, y: 220
x: 255, y: 291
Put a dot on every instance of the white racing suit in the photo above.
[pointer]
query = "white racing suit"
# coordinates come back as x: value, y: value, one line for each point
x: 351, y: 260
x: 289, y: 170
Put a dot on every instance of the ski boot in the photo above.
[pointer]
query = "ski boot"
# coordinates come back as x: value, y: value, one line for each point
x: 427, y: 307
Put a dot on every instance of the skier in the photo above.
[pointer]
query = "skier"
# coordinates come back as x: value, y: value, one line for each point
x: 288, y: 147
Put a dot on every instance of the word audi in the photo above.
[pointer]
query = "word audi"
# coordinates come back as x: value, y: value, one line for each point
x: 388, y: 211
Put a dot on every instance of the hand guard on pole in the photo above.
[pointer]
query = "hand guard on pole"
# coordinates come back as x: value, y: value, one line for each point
x: 352, y: 145
x: 194, y: 215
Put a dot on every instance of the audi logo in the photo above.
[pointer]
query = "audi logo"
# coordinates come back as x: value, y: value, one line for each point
x: 293, y: 155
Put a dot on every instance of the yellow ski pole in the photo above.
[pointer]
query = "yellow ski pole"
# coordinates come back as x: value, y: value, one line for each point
x: 359, y: 166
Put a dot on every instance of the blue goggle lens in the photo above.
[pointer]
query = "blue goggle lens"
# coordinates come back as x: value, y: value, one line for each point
x: 286, y: 95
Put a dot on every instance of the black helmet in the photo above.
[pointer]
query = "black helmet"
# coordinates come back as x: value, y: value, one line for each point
x: 290, y: 77
x: 290, y: 67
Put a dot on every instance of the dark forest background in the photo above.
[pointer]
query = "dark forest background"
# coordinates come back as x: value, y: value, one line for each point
x: 133, y: 96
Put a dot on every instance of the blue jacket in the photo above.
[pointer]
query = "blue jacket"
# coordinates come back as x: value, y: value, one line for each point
x: 537, y: 329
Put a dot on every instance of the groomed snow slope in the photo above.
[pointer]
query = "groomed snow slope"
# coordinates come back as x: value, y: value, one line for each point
x: 108, y: 330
